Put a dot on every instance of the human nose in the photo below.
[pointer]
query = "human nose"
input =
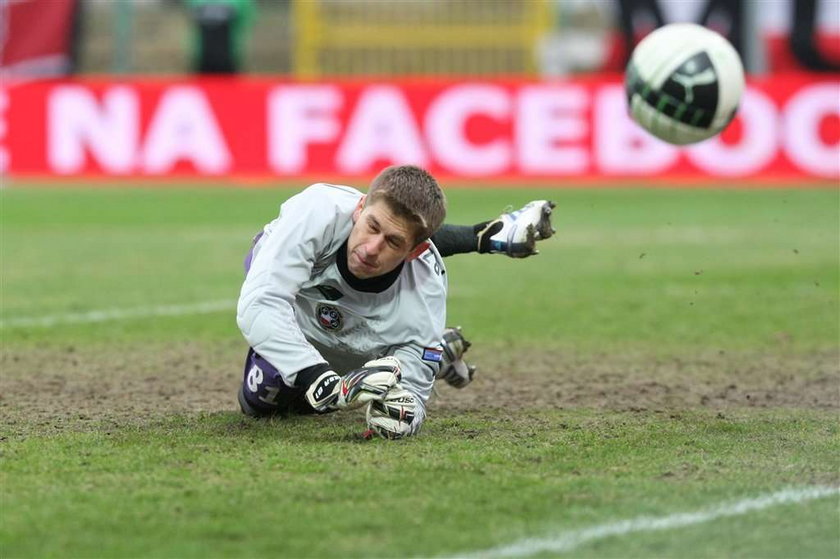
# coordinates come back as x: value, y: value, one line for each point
x: 375, y: 245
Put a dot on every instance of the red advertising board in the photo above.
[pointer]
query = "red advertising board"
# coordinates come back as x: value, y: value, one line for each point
x: 788, y: 128
x: 36, y: 37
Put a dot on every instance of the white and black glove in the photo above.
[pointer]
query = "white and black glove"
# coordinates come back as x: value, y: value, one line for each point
x: 370, y: 382
x: 397, y: 415
x: 458, y: 374
x: 453, y: 369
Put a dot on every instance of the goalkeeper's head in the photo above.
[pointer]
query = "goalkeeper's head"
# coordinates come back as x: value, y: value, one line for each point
x: 392, y: 224
x: 413, y: 194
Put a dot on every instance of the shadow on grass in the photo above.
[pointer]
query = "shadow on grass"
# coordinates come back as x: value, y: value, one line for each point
x: 331, y: 428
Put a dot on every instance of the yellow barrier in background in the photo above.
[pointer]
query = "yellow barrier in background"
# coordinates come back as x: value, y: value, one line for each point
x: 376, y: 37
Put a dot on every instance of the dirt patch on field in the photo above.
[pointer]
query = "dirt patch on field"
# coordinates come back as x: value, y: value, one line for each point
x: 69, y: 388
x: 556, y: 380
x: 58, y: 388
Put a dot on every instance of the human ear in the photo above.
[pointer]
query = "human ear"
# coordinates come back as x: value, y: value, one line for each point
x: 359, y: 207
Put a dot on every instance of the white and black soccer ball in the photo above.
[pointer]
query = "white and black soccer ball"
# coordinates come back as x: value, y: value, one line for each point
x: 684, y: 83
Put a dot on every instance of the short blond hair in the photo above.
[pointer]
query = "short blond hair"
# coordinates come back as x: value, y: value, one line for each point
x: 412, y: 193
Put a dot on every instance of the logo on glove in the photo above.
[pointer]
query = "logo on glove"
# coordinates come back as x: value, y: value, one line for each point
x: 329, y: 318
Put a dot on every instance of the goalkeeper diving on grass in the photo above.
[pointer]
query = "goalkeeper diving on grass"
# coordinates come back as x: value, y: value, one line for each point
x: 344, y: 299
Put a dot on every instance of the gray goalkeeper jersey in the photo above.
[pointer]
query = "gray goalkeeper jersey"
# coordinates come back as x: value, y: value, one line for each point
x: 299, y: 305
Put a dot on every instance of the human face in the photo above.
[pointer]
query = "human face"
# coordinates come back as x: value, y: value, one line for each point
x: 378, y: 242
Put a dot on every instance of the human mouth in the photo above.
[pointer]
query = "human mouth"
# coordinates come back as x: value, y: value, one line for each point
x: 364, y: 263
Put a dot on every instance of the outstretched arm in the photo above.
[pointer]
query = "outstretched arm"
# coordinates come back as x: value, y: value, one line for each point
x: 515, y: 233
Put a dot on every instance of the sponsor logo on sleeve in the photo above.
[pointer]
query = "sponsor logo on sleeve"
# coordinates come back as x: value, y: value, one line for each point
x: 433, y: 354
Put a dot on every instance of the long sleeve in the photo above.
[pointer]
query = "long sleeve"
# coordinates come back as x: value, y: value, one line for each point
x: 308, y: 229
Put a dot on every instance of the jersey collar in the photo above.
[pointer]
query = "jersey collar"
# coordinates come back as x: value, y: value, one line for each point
x: 376, y: 284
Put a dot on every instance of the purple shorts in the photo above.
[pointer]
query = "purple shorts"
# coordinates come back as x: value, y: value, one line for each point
x: 264, y: 392
x: 250, y: 256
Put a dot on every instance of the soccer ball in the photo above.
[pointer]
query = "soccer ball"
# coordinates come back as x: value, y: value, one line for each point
x: 684, y: 83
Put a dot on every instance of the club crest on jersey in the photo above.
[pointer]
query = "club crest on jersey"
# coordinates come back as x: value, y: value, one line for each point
x: 329, y: 318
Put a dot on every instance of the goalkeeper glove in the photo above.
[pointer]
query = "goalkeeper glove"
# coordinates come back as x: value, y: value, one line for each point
x: 370, y: 382
x: 397, y: 415
x: 453, y: 369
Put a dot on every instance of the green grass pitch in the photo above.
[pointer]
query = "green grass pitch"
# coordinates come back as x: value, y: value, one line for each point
x: 667, y: 352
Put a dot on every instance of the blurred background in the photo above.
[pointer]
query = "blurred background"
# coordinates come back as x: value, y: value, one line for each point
x: 377, y: 37
x: 497, y: 89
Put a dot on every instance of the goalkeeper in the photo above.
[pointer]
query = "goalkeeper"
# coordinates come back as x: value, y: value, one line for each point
x: 344, y: 299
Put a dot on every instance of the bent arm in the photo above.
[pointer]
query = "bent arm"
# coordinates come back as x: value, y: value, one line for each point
x: 282, y: 262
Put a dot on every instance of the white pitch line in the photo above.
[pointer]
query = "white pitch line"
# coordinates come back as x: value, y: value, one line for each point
x: 567, y: 541
x: 118, y: 314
